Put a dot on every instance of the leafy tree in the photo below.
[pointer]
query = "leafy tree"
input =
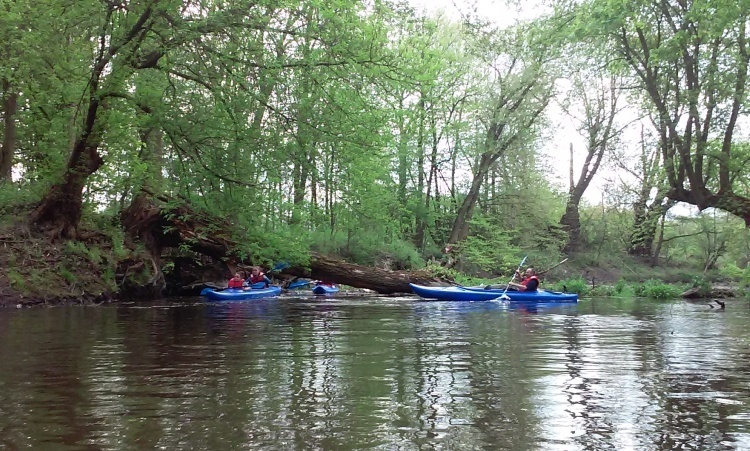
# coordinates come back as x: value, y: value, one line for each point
x: 598, y: 96
x: 690, y: 62
x: 521, y: 91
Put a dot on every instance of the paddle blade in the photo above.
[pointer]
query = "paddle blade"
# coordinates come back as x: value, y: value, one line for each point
x: 279, y: 266
x: 299, y: 284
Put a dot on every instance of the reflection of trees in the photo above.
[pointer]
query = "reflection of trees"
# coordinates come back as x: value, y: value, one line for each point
x: 600, y: 393
x: 501, y: 386
x: 585, y: 392
x: 634, y: 380
x: 688, y: 379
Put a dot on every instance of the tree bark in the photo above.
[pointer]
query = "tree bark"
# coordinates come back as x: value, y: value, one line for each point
x: 10, y: 107
x: 465, y: 212
x: 62, y: 206
x: 598, y: 123
x: 378, y: 280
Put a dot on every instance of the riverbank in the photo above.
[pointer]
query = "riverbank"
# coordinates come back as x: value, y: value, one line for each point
x: 34, y: 270
x: 96, y: 268
x: 104, y: 266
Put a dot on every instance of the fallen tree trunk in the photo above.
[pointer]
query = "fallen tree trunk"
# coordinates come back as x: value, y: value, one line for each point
x: 379, y: 280
x: 716, y: 291
x: 161, y: 223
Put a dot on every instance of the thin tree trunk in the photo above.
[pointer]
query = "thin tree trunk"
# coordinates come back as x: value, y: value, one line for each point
x: 10, y: 108
x: 460, y: 229
x: 659, y: 241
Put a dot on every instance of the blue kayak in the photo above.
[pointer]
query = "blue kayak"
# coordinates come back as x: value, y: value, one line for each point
x: 325, y: 289
x: 239, y: 294
x: 481, y: 294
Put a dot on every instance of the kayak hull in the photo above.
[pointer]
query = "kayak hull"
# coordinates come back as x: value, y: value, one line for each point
x: 480, y: 294
x: 237, y: 294
x: 324, y: 289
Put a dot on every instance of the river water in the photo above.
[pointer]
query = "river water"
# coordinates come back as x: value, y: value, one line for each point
x: 376, y: 373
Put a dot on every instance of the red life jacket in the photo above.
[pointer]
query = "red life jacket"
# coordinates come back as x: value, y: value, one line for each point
x: 235, y: 283
x: 255, y: 278
x: 525, y: 283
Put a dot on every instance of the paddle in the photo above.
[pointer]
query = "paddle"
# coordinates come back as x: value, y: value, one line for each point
x: 551, y: 268
x: 298, y: 284
x: 279, y: 266
x: 504, y: 296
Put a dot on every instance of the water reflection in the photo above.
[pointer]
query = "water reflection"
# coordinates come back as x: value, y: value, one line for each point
x: 391, y: 373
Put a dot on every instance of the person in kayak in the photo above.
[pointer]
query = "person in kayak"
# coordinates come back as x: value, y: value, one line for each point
x: 256, y: 275
x: 236, y: 282
x: 324, y: 283
x: 529, y: 281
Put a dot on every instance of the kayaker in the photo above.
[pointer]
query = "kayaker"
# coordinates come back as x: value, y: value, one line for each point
x: 256, y: 275
x: 529, y: 281
x: 327, y: 284
x: 236, y: 282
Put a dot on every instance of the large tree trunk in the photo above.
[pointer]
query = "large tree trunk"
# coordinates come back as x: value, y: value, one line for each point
x: 379, y: 280
x: 598, y: 123
x: 699, y: 92
x: 62, y: 206
x: 460, y: 229
x: 516, y: 110
x: 10, y: 107
x: 571, y: 223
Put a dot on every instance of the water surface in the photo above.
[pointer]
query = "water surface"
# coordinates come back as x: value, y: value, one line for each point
x: 376, y: 373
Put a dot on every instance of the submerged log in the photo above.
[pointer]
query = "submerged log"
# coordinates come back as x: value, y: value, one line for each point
x: 160, y: 222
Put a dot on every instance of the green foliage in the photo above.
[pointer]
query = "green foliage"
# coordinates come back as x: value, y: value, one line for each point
x: 732, y: 271
x: 575, y: 285
x: 742, y: 276
x: 368, y: 249
x: 445, y: 273
x: 167, y: 267
x: 489, y: 249
x: 14, y: 198
x: 67, y: 275
x: 16, y: 279
x: 656, y: 289
x: 603, y: 291
x: 703, y: 285
x: 268, y: 249
x: 108, y: 278
x: 623, y: 289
